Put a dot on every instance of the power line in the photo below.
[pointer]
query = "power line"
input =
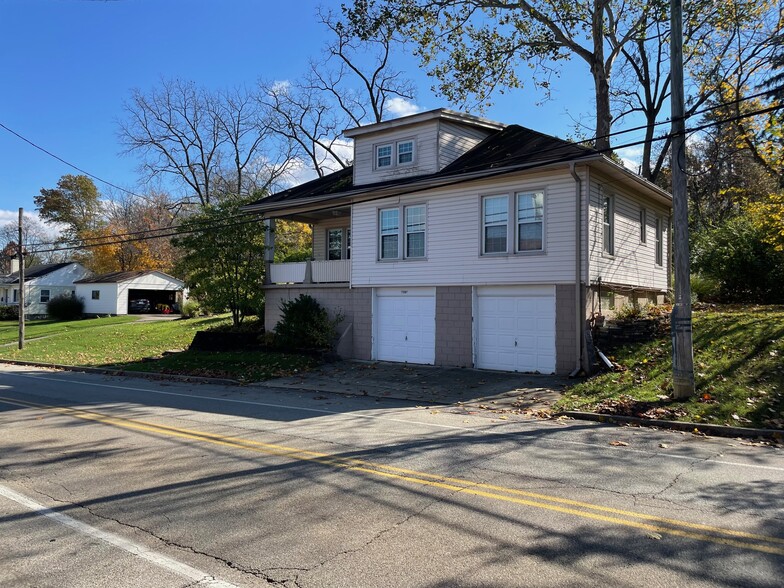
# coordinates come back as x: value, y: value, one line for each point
x: 69, y: 164
x: 173, y: 231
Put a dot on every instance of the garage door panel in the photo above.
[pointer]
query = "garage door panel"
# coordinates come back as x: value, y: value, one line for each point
x: 515, y: 329
x: 405, y: 327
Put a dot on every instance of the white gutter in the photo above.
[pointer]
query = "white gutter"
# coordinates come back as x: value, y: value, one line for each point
x: 578, y: 314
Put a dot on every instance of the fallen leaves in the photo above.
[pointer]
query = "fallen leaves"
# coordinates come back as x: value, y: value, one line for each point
x: 619, y: 443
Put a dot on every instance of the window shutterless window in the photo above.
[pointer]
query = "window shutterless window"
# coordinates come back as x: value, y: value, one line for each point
x: 659, y: 243
x: 530, y: 221
x: 348, y: 243
x: 415, y: 230
x: 96, y: 294
x: 383, y: 155
x: 334, y: 244
x: 389, y: 225
x: 405, y: 152
x: 44, y: 296
x: 643, y: 225
x: 608, y: 214
x: 495, y: 219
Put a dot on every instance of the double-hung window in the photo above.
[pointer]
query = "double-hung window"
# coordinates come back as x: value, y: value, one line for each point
x: 530, y: 221
x: 415, y: 230
x: 383, y: 156
x: 495, y: 223
x: 608, y: 225
x: 405, y: 152
x: 643, y: 225
x: 44, y: 296
x: 389, y: 229
x: 411, y: 232
x: 659, y: 242
x: 400, y: 153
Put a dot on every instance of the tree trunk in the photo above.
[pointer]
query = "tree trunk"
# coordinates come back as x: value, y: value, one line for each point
x: 603, y: 115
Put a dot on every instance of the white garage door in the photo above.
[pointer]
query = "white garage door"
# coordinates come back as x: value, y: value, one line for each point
x: 406, y: 324
x: 515, y: 329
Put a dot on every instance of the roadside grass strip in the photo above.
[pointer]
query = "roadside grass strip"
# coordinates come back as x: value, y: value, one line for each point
x: 646, y: 522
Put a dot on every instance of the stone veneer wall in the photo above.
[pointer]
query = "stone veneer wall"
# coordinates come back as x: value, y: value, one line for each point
x: 454, y: 326
x: 353, y: 303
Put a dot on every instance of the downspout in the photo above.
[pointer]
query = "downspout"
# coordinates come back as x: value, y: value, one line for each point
x: 578, y: 315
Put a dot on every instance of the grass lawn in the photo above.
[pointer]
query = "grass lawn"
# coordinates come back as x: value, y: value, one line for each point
x: 738, y: 365
x: 9, y: 330
x: 122, y: 343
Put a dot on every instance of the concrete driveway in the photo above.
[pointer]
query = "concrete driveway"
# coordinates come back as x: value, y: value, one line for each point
x: 428, y: 384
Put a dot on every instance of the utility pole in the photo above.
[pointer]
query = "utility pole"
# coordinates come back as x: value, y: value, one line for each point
x: 682, y: 352
x: 20, y: 251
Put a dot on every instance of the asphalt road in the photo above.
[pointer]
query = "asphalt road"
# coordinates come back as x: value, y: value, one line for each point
x: 127, y: 482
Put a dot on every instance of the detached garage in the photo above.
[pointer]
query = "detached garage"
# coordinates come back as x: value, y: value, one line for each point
x: 131, y: 292
x: 515, y: 328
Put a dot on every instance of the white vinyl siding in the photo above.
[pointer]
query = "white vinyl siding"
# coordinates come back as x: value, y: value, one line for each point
x: 105, y: 303
x: 320, y: 232
x: 633, y: 263
x: 425, y: 153
x: 456, y: 140
x: 113, y: 297
x: 454, y: 237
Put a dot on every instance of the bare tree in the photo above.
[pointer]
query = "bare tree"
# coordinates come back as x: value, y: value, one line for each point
x: 37, y: 238
x: 352, y: 84
x: 211, y: 143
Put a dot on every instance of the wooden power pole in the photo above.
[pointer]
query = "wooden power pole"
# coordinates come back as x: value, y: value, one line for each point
x: 682, y: 352
x: 20, y: 251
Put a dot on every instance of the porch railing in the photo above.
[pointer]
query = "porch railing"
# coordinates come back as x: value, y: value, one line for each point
x: 311, y: 272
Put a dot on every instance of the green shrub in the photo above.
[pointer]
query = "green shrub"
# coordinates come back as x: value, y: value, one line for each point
x: 305, y: 324
x: 704, y: 288
x: 737, y: 257
x: 9, y: 313
x: 631, y: 311
x: 65, y: 308
x: 190, y: 309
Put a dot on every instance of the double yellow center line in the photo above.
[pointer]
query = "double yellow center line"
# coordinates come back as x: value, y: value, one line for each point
x: 646, y: 522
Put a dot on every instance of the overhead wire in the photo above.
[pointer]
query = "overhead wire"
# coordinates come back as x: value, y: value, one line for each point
x: 173, y: 231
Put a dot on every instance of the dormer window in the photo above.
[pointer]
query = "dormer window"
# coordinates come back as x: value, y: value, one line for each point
x: 384, y: 156
x: 405, y: 152
x: 398, y: 154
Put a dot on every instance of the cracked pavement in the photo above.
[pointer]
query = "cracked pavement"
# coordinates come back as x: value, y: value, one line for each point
x: 289, y: 488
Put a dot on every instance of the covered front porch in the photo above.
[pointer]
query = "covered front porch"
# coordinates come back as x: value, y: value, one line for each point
x: 330, y: 262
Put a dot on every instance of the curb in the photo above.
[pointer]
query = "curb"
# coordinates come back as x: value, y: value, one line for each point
x: 707, y: 429
x: 127, y: 374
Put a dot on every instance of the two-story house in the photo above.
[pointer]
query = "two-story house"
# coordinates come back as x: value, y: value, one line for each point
x: 455, y: 240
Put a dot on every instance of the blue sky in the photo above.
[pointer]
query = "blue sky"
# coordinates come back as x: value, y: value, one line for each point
x: 67, y: 66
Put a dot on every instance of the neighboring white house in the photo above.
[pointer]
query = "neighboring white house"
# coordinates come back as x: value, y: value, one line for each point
x: 454, y: 240
x: 41, y: 284
x: 115, y: 292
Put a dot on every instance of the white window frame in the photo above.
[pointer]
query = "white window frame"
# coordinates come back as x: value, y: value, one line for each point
x: 608, y: 225
x: 659, y: 256
x: 402, y: 233
x: 41, y: 296
x: 377, y: 149
x: 485, y: 224
x: 394, y: 155
x: 540, y: 221
x: 389, y: 232
x: 95, y: 295
x: 643, y: 226
x: 423, y: 231
x: 398, y: 153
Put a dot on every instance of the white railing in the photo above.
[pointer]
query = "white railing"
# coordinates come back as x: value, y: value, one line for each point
x: 311, y: 272
x: 328, y: 272
x: 288, y: 273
